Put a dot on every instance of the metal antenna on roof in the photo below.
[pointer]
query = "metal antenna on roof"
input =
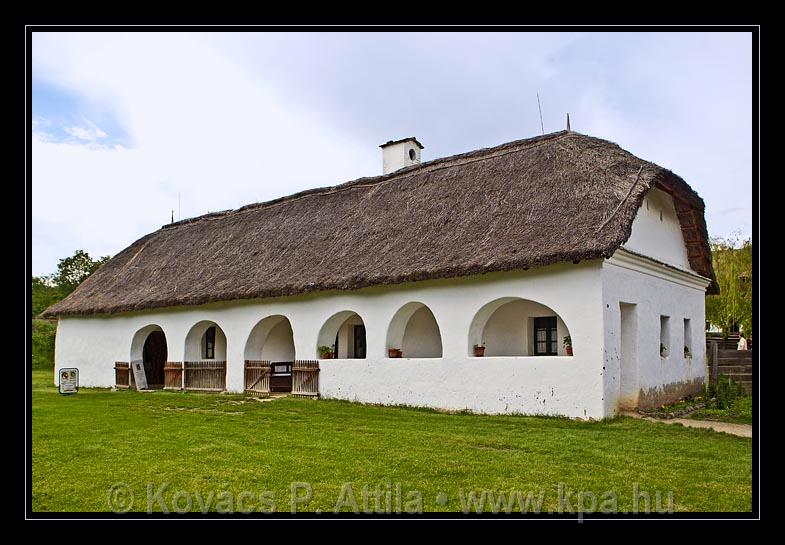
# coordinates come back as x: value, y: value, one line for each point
x: 172, y: 216
x: 540, y: 108
x: 568, y: 121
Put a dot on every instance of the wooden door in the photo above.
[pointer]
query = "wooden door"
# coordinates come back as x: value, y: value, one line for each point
x: 154, y: 357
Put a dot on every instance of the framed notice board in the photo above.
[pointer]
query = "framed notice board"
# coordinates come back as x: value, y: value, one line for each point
x: 68, y: 380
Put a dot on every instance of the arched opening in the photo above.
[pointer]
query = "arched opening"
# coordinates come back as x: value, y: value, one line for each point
x: 344, y: 332
x: 149, y: 347
x: 414, y: 331
x: 204, y: 368
x: 205, y: 341
x: 512, y: 326
x: 272, y: 340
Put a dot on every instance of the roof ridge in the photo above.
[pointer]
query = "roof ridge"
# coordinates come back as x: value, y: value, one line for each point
x: 439, y: 162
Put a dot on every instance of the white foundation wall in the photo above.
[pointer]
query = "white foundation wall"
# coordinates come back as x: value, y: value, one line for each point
x: 556, y: 385
x: 635, y: 374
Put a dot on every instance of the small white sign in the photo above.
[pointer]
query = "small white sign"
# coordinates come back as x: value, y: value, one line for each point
x: 139, y: 376
x: 68, y: 382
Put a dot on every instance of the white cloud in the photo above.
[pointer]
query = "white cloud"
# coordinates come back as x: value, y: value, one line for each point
x: 88, y: 131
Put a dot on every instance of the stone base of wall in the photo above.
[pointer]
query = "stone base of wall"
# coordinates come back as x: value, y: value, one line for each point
x: 662, y: 395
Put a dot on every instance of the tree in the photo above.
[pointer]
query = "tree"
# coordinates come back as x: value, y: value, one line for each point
x: 44, y: 294
x: 73, y: 270
x: 732, y: 261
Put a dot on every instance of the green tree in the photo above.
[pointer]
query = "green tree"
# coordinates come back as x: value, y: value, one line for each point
x: 72, y: 271
x: 732, y: 260
x: 44, y: 294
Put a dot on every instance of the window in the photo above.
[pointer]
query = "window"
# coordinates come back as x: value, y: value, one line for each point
x: 687, y: 338
x: 359, y: 341
x: 209, y: 343
x: 665, y: 336
x: 545, y: 340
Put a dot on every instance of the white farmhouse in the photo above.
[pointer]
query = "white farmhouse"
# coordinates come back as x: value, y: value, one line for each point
x: 554, y: 275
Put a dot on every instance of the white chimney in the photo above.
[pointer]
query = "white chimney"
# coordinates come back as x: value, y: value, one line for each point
x: 400, y: 153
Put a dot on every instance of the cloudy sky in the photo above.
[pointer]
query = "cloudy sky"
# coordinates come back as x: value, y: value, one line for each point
x: 123, y: 124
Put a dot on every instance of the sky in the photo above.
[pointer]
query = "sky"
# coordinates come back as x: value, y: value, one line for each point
x: 129, y: 128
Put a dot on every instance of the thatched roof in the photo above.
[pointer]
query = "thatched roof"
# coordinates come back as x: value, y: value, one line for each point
x: 558, y: 197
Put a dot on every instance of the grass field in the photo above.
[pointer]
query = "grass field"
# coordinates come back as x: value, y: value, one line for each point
x: 225, y: 452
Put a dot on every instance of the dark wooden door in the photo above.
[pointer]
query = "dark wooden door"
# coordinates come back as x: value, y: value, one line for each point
x: 281, y: 376
x: 154, y: 356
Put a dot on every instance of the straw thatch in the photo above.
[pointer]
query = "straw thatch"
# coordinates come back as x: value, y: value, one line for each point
x: 558, y: 197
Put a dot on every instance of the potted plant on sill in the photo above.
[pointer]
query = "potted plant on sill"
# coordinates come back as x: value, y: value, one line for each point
x: 479, y: 350
x: 325, y: 352
x: 663, y: 351
x: 568, y: 345
x: 687, y: 353
x: 394, y: 353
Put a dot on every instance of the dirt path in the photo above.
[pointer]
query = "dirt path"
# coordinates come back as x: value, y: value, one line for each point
x: 742, y: 430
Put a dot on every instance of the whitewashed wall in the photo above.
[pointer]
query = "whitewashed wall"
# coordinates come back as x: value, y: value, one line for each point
x: 571, y: 386
x: 656, y: 231
x: 659, y: 380
x: 635, y: 373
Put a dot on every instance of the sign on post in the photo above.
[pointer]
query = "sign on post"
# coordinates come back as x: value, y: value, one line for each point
x: 68, y: 382
x: 139, y: 376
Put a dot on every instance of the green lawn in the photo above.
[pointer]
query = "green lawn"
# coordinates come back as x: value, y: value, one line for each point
x: 212, y: 448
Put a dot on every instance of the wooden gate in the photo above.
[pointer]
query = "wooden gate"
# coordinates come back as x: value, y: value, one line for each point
x: 122, y: 372
x: 204, y: 376
x: 305, y: 378
x: 173, y: 375
x: 257, y: 378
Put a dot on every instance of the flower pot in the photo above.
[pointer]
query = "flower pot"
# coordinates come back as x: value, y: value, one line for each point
x: 327, y: 356
x: 479, y: 351
x: 568, y: 349
x: 394, y: 352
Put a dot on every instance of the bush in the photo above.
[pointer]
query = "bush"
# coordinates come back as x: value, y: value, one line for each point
x: 742, y: 408
x: 43, y: 344
x: 724, y: 394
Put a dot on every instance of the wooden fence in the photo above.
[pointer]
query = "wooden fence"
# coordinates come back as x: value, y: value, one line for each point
x: 305, y: 378
x: 122, y: 374
x: 204, y: 376
x: 173, y: 375
x: 734, y: 364
x: 257, y: 378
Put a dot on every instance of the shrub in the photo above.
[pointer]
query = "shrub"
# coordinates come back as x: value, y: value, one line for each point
x: 742, y: 407
x: 724, y: 394
x: 43, y: 344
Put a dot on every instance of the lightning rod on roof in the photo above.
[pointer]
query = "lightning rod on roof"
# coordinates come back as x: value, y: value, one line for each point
x: 172, y: 216
x: 540, y: 108
x: 568, y: 121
